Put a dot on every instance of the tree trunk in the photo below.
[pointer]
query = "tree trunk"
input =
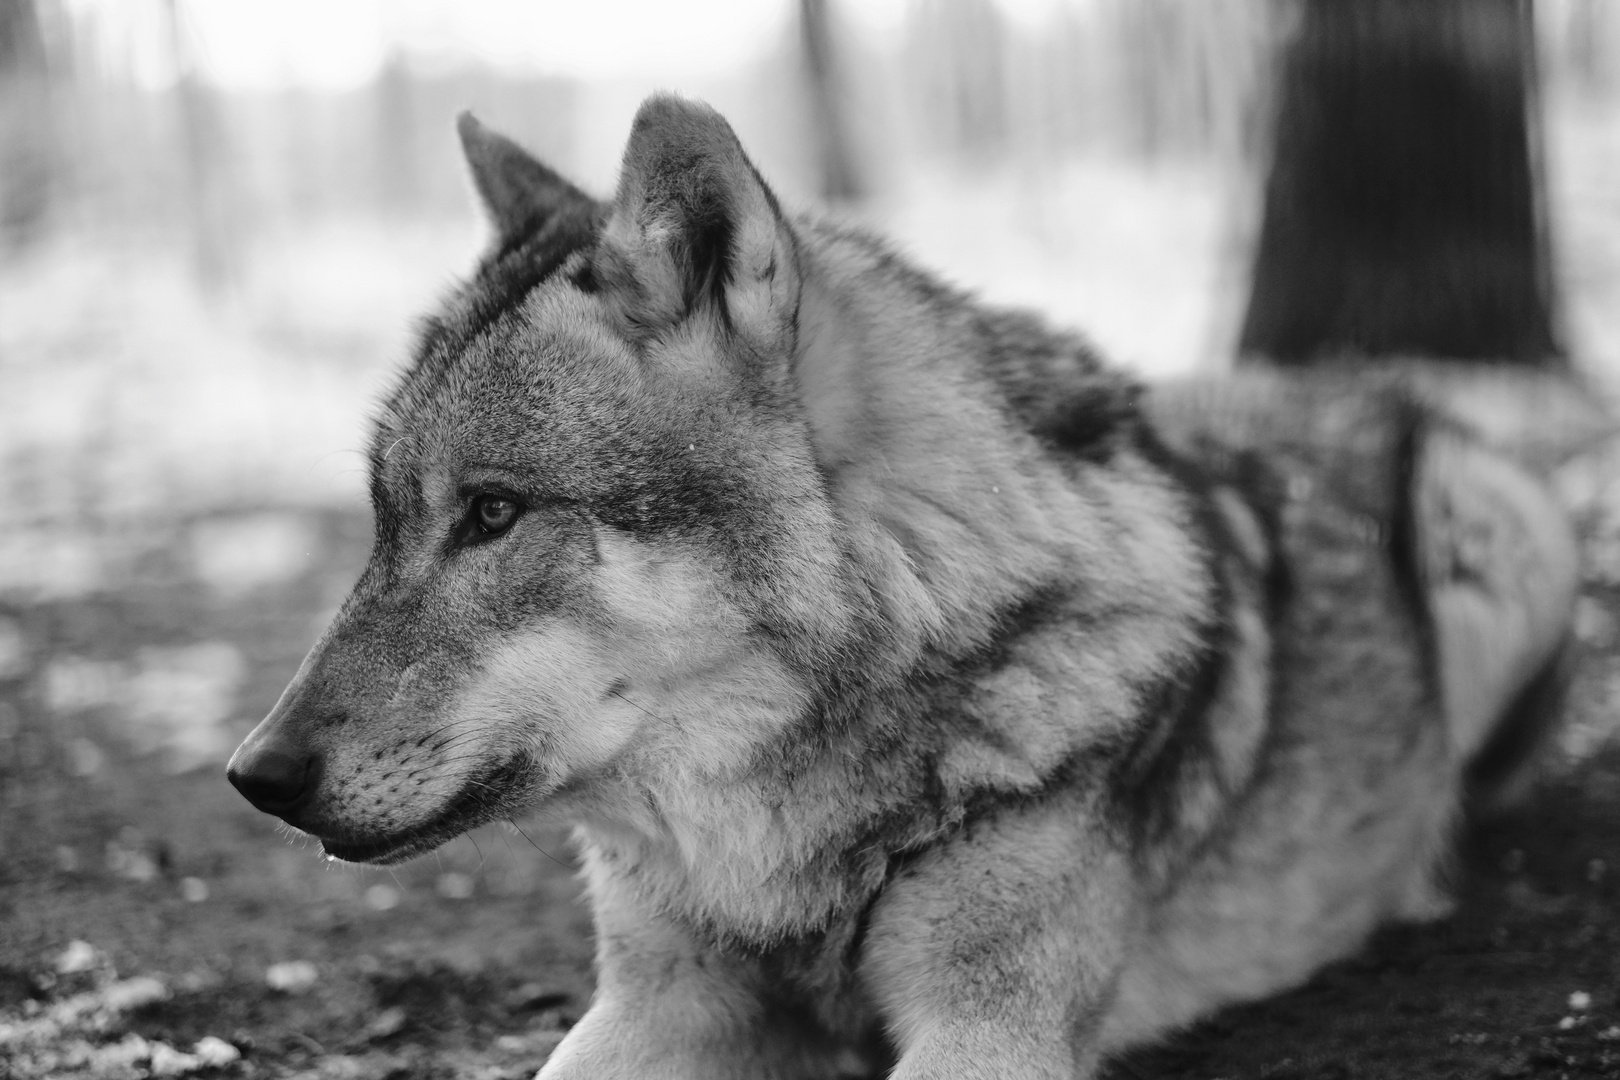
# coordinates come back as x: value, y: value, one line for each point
x: 1403, y: 213
x: 25, y: 124
x: 213, y: 223
x: 840, y: 179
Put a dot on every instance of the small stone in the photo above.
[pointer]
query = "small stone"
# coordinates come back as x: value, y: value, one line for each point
x: 291, y: 976
x: 215, y: 1052
x: 390, y: 1021
x: 126, y: 1051
x: 128, y: 859
x: 78, y: 956
x: 1517, y: 1065
x: 133, y: 993
x: 1566, y: 1023
x: 167, y: 1061
x: 1580, y: 1001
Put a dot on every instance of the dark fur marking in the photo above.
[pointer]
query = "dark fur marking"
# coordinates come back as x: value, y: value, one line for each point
x: 1176, y: 745
x: 709, y: 232
x: 1055, y: 386
x: 898, y: 862
x: 1523, y: 729
x: 1404, y: 540
x: 1263, y: 492
x: 504, y: 278
x: 585, y: 280
x: 931, y: 291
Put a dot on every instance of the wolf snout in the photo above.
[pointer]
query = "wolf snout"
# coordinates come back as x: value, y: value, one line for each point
x: 277, y: 778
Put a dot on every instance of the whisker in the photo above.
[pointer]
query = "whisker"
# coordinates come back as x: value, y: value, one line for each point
x: 537, y: 847
x: 435, y: 733
x: 639, y: 708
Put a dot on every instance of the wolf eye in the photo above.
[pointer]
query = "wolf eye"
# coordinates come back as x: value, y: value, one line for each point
x: 494, y: 514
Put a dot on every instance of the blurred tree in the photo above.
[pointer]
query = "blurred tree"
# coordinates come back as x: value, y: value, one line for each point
x: 394, y: 157
x: 1403, y: 214
x: 840, y: 179
x: 1588, y: 32
x: 25, y: 127
x: 957, y: 55
x: 214, y: 226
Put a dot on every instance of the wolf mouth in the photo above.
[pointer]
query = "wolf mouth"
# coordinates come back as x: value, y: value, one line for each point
x: 481, y: 799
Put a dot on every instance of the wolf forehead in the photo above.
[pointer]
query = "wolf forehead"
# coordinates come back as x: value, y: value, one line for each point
x: 515, y: 351
x: 526, y: 382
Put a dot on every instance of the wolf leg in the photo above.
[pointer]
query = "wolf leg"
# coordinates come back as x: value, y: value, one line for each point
x: 670, y: 1008
x: 1500, y: 564
x: 996, y: 955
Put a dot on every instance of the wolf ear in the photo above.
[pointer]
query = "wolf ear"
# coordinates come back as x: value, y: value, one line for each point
x: 694, y: 228
x: 518, y: 192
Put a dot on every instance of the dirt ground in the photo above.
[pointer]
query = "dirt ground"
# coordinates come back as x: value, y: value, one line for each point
x: 152, y: 923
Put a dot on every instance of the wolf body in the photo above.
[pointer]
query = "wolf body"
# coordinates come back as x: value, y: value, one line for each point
x: 925, y: 695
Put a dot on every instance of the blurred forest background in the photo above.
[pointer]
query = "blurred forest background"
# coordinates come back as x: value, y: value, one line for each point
x: 217, y: 223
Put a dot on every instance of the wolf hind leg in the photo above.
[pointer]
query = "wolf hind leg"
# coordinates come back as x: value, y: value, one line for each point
x: 1502, y: 772
x: 1498, y: 560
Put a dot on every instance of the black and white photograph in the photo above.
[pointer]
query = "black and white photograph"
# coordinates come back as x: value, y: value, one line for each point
x: 809, y: 539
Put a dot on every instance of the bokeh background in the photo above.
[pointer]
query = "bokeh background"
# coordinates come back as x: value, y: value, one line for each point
x: 218, y: 220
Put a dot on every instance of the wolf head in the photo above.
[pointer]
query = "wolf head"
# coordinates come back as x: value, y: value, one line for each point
x: 677, y: 494
x: 599, y: 519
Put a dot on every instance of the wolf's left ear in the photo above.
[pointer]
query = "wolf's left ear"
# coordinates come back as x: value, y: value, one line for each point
x: 694, y: 228
x: 518, y: 192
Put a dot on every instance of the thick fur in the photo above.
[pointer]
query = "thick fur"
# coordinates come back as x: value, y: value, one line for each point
x: 926, y: 695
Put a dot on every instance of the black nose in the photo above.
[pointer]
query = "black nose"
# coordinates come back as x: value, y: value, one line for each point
x: 272, y: 779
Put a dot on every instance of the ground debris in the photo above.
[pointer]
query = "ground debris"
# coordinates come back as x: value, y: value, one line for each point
x: 291, y: 976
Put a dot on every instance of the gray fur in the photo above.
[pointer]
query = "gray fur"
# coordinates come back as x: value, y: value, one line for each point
x: 924, y: 694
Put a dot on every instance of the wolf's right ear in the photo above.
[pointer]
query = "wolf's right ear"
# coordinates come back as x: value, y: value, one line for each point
x: 694, y: 230
x: 518, y: 192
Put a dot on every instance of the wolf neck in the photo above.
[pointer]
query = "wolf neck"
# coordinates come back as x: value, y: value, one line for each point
x: 1021, y: 603
x: 954, y: 510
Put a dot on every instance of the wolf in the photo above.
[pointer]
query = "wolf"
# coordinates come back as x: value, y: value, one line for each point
x: 928, y: 698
